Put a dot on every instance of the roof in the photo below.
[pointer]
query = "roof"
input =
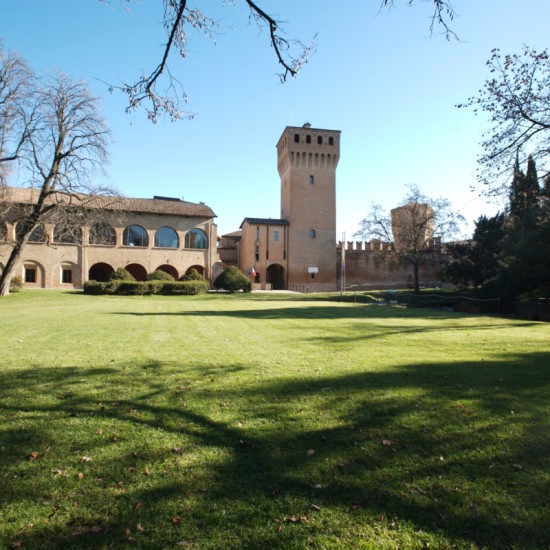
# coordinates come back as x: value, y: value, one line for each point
x: 166, y: 206
x: 264, y: 221
x: 234, y: 234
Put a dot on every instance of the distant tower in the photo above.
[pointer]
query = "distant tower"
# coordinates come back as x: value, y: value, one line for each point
x: 307, y: 160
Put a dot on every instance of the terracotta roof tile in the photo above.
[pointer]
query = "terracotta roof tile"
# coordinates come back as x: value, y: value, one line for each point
x: 116, y: 203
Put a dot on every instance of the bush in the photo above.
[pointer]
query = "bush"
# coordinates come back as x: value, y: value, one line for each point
x: 159, y: 276
x: 94, y: 287
x: 192, y: 275
x: 233, y: 279
x: 188, y: 288
x: 121, y: 274
x: 16, y: 284
x: 141, y: 288
x: 133, y: 288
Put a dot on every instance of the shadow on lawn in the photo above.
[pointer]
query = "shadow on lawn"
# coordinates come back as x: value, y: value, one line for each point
x: 344, y: 311
x: 432, y: 446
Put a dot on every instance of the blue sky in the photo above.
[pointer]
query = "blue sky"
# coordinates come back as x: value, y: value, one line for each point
x: 376, y: 75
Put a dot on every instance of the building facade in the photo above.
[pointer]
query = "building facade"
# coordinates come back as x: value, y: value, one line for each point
x: 90, y: 240
x: 298, y: 251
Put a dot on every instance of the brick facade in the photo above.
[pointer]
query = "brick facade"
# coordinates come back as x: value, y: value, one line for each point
x: 189, y: 241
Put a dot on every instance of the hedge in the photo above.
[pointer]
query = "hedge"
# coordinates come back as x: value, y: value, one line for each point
x: 141, y: 288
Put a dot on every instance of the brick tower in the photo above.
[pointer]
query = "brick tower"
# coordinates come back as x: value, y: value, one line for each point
x: 307, y: 160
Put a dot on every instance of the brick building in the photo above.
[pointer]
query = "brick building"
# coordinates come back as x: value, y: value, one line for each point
x: 141, y: 235
x: 298, y: 251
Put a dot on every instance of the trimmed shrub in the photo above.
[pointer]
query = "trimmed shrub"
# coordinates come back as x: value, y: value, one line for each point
x: 188, y: 288
x: 16, y: 284
x: 121, y: 274
x: 233, y: 279
x: 192, y: 275
x: 111, y: 287
x: 94, y: 287
x: 155, y: 287
x: 132, y: 288
x: 159, y: 276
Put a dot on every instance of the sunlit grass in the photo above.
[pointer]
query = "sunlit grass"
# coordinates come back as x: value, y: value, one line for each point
x: 265, y: 421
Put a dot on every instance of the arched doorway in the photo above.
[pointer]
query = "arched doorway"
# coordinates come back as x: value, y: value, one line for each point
x: 100, y: 272
x: 276, y: 276
x: 137, y: 271
x: 170, y: 269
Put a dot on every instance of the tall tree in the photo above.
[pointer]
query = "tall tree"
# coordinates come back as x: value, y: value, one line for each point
x: 517, y: 99
x: 65, y: 143
x: 413, y: 228
x: 476, y: 261
x: 16, y: 109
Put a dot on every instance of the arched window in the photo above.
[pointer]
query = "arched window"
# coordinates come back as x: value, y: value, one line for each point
x: 196, y: 238
x: 312, y: 233
x: 38, y: 234
x: 65, y: 233
x: 135, y: 235
x: 166, y: 237
x: 102, y: 233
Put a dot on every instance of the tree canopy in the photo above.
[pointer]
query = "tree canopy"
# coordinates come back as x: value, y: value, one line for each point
x: 53, y: 134
x: 412, y: 228
x: 516, y: 97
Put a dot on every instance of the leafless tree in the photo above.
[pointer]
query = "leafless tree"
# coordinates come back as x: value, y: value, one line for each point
x: 160, y: 92
x: 441, y: 18
x: 16, y: 112
x: 64, y: 145
x: 517, y: 99
x: 414, y: 230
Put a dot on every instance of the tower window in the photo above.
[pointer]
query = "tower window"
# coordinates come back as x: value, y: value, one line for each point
x: 331, y: 140
x: 296, y: 138
x: 276, y: 235
x: 308, y: 139
x: 311, y: 180
x: 312, y: 233
x: 319, y: 140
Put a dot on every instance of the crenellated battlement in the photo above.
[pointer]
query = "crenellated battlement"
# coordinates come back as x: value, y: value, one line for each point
x: 376, y: 245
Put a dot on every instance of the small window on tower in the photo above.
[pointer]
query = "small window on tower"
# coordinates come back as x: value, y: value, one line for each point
x: 296, y: 138
x: 311, y: 180
x: 312, y: 233
x: 276, y: 235
x: 331, y: 140
x: 319, y: 140
x: 308, y: 139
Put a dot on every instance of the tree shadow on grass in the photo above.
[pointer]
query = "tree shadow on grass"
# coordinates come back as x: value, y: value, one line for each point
x: 318, y: 312
x: 456, y: 451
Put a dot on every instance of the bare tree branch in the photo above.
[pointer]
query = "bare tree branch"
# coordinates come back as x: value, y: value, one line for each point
x: 517, y: 100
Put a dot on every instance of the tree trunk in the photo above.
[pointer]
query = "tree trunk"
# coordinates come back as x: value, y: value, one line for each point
x: 7, y: 274
x: 415, y: 275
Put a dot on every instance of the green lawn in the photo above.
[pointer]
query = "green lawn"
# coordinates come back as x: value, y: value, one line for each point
x: 269, y: 421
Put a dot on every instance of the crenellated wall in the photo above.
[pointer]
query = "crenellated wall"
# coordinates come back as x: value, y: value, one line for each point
x: 374, y: 265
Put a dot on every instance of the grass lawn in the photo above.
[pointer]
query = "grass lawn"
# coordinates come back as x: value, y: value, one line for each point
x: 269, y: 421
